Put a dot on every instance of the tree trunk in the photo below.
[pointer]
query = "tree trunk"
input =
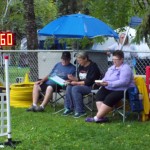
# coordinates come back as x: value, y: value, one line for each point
x: 32, y: 41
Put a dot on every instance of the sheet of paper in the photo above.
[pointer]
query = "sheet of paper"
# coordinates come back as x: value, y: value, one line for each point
x: 98, y: 81
x: 58, y: 80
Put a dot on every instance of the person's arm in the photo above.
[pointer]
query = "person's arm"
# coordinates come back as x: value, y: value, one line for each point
x: 42, y: 80
x: 104, y: 79
x: 74, y: 71
x: 72, y: 78
x: 124, y: 78
x: 46, y: 77
x: 92, y: 75
x: 77, y: 83
x: 111, y: 48
x: 75, y: 80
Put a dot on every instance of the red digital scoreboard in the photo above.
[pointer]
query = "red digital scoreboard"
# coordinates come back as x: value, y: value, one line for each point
x: 7, y: 38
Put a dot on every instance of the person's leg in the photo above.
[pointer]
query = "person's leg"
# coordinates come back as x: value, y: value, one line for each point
x: 100, y: 116
x: 49, y: 89
x: 103, y: 110
x: 107, y: 105
x: 35, y: 97
x: 104, y: 107
x: 48, y: 96
x: 77, y: 95
x: 98, y: 104
x: 35, y: 94
x: 68, y: 103
x: 100, y: 97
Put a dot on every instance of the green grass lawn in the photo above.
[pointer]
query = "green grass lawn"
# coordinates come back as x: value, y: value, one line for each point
x: 48, y: 131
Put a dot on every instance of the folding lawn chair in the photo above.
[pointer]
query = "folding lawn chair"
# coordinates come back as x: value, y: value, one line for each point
x: 89, y: 99
x: 131, y: 99
x: 58, y: 95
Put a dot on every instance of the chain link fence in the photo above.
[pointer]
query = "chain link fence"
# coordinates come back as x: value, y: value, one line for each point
x: 38, y: 63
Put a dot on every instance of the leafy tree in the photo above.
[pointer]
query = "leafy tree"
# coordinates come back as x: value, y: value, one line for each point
x: 73, y: 6
x: 45, y: 11
x: 115, y: 13
x: 118, y: 13
x: 31, y: 34
x: 143, y: 31
x: 140, y: 6
x: 31, y: 28
x: 142, y: 9
x: 4, y: 5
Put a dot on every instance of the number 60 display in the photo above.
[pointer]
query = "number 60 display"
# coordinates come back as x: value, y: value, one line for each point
x: 7, y: 39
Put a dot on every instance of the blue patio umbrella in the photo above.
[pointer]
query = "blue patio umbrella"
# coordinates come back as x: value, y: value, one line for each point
x: 77, y: 26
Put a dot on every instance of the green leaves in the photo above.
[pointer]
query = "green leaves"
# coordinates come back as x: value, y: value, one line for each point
x: 115, y: 13
x: 45, y: 11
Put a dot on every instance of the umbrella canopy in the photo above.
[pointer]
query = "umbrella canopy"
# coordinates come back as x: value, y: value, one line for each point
x: 77, y: 26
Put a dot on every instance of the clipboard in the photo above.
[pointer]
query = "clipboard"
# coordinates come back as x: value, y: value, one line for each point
x: 58, y: 80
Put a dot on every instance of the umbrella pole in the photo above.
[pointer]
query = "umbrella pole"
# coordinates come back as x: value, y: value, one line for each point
x: 77, y: 48
x: 125, y: 37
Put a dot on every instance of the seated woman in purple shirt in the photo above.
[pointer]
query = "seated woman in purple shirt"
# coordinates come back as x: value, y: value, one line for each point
x: 118, y: 78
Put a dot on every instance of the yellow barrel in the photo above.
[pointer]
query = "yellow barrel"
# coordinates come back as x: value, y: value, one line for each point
x: 21, y: 93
